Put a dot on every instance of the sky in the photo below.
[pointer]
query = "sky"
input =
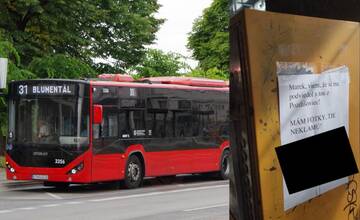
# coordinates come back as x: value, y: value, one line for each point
x: 179, y: 15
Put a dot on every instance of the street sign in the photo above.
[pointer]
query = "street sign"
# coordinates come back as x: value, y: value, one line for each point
x: 3, y: 72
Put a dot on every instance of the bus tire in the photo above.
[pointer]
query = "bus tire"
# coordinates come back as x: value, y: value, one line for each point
x: 225, y: 165
x: 134, y: 173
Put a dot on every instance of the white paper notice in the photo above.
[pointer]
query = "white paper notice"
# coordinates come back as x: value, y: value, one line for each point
x: 311, y: 104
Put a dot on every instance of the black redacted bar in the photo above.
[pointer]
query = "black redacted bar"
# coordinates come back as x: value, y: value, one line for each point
x: 316, y: 160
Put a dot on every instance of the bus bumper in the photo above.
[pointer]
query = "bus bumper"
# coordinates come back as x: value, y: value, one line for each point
x: 77, y: 171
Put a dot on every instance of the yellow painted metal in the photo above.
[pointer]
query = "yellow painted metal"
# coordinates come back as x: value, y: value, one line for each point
x: 325, y: 43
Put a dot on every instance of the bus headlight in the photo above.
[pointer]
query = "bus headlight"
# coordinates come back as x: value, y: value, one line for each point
x: 76, y: 169
x: 10, y: 168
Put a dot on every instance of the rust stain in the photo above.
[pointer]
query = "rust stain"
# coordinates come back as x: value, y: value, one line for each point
x: 273, y: 168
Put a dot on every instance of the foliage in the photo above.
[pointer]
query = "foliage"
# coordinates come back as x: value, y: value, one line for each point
x: 2, y: 162
x: 213, y: 73
x: 61, y: 66
x: 209, y: 38
x: 158, y: 63
x: 102, y: 67
x: 7, y: 50
x: 88, y: 28
x: 3, y: 118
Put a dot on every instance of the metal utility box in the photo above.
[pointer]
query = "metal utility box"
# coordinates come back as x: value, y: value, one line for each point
x: 258, y: 41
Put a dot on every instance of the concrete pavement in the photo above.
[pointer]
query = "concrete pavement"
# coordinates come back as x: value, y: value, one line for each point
x: 189, y: 197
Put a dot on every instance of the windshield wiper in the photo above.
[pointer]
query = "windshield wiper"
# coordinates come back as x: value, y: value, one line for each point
x: 66, y: 151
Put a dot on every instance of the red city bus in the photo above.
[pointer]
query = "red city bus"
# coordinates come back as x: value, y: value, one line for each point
x: 114, y: 128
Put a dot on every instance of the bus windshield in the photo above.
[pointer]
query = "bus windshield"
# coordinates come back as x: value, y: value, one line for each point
x: 49, y: 120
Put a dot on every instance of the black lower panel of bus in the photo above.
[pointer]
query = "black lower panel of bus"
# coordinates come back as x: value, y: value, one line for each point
x: 43, y: 156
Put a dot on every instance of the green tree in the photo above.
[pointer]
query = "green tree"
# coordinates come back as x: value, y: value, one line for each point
x: 213, y: 73
x: 80, y: 28
x: 61, y: 66
x: 158, y: 63
x: 15, y: 72
x: 209, y: 38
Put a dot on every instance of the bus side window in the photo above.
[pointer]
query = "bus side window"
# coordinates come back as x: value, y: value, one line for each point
x: 96, y: 131
x: 110, y: 124
x: 160, y: 125
x: 150, y: 124
x: 195, y: 125
x: 170, y: 124
x: 137, y: 123
x: 204, y: 125
x: 183, y: 123
x: 124, y: 127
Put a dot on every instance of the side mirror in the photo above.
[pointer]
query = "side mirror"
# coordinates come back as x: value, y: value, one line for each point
x: 98, y: 114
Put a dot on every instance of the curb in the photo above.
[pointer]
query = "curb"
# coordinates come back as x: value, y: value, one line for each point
x: 14, y: 183
x: 2, y: 175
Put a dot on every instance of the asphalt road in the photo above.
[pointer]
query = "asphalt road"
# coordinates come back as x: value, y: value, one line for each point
x: 189, y: 197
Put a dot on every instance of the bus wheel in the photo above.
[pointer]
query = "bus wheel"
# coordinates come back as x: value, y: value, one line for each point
x: 225, y: 165
x: 133, y: 173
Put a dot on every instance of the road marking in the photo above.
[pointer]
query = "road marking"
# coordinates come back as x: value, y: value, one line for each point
x: 73, y: 203
x: 206, y: 207
x: 122, y: 197
x: 21, y: 198
x: 50, y: 205
x: 27, y: 208
x: 6, y: 211
x: 157, y: 193
x: 54, y: 196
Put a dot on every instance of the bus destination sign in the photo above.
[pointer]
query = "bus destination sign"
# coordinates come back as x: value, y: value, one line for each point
x: 64, y: 89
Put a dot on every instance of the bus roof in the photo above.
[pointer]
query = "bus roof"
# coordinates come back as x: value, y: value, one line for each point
x: 155, y: 85
x: 186, y: 83
x: 189, y: 81
x: 172, y: 82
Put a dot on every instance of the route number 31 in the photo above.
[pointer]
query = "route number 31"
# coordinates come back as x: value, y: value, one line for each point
x: 23, y: 89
